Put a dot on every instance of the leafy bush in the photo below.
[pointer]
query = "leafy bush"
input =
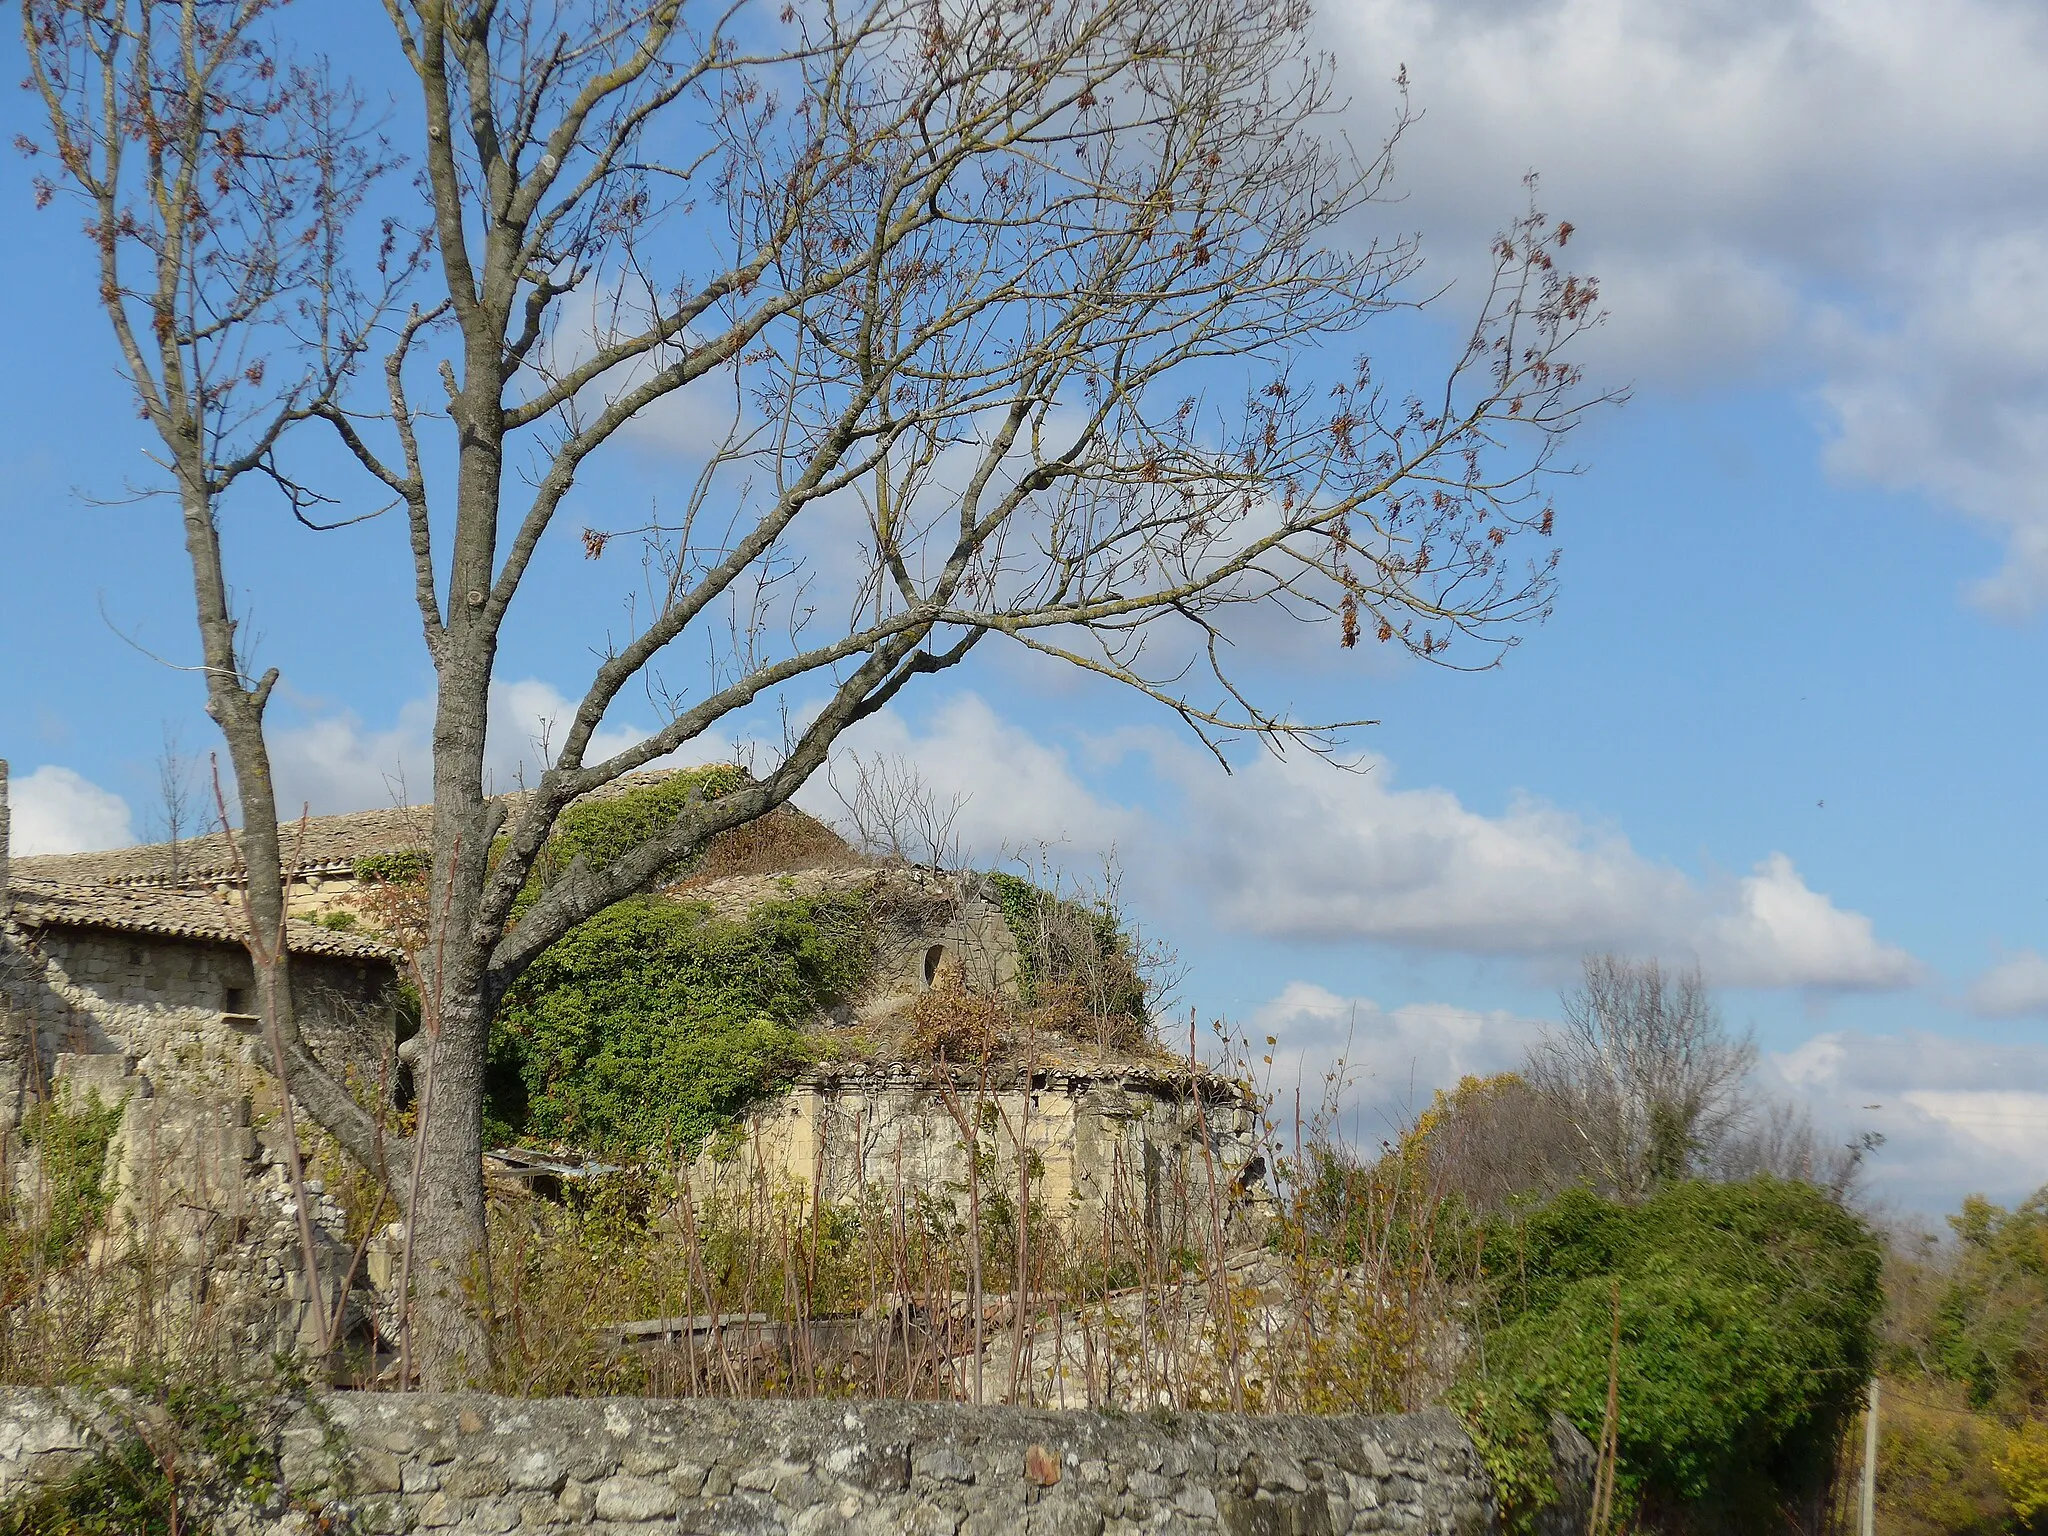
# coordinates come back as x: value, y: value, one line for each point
x: 405, y: 866
x: 1989, y: 1331
x: 1937, y: 1471
x: 1070, y: 950
x: 600, y: 831
x: 656, y: 1022
x: 1747, y: 1330
x: 1965, y: 1432
x: 71, y: 1144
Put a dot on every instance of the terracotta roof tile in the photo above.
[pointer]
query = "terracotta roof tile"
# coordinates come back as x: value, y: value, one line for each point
x: 173, y: 914
x: 330, y: 843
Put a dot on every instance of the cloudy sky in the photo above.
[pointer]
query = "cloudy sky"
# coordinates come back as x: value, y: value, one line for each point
x: 1786, y: 720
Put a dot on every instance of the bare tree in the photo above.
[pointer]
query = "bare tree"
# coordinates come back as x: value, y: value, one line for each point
x: 219, y: 180
x: 1781, y: 1140
x: 1646, y: 1072
x: 892, y: 812
x: 1496, y: 1142
x: 1025, y: 321
x: 176, y: 811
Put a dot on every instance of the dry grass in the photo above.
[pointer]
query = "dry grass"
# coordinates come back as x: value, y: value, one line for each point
x: 1312, y: 1292
x: 784, y: 839
x: 1318, y: 1295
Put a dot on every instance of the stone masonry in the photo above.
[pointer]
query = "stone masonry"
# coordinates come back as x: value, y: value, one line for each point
x: 384, y: 1463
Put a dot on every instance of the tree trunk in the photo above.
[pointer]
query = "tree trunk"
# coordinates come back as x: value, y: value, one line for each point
x: 445, y: 1219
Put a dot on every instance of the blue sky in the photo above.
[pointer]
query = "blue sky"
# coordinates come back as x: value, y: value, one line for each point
x: 1785, y: 719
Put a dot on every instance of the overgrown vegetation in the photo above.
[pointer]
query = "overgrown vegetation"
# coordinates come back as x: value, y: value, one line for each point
x: 1747, y: 1315
x: 196, y: 1446
x: 69, y: 1142
x: 1072, y: 955
x: 657, y: 1022
x: 598, y: 831
x: 1964, y: 1429
x: 1485, y: 1257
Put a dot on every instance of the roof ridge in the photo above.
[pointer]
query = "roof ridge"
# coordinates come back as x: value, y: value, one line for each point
x: 40, y: 903
x: 336, y: 839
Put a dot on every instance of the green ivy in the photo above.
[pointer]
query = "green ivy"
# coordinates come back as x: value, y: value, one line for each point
x: 400, y: 868
x: 602, y: 831
x: 71, y: 1142
x: 1748, y: 1315
x: 1057, y: 938
x: 1512, y: 1439
x: 656, y: 1022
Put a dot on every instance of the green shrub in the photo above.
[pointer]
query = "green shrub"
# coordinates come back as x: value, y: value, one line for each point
x: 1748, y: 1313
x: 1989, y: 1331
x: 598, y: 831
x: 1070, y: 949
x: 71, y: 1144
x: 656, y: 1022
x: 404, y: 867
x: 601, y: 831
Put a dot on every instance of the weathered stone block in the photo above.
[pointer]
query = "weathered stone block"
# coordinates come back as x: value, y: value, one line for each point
x: 535, y: 1468
x: 634, y: 1498
x: 376, y: 1471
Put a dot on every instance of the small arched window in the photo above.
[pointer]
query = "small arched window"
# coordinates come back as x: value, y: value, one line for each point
x: 933, y: 959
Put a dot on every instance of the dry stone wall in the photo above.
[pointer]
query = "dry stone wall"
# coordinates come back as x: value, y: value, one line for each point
x: 381, y: 1463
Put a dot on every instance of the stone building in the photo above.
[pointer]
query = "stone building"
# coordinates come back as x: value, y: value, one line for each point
x: 130, y: 980
x: 1120, y: 1148
x: 139, y: 997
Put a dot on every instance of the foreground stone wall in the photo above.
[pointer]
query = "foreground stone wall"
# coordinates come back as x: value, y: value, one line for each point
x: 377, y: 1463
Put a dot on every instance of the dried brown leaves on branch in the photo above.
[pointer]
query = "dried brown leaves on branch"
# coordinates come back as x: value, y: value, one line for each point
x: 1026, y: 321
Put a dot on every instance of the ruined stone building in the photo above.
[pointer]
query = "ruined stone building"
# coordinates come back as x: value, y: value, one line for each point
x: 137, y: 997
x: 126, y: 977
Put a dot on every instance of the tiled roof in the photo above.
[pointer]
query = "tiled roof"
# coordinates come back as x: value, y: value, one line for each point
x: 329, y: 844
x: 329, y: 841
x: 173, y: 914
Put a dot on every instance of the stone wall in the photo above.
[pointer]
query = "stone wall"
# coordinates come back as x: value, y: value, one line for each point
x: 470, y: 1463
x: 1150, y: 1151
x: 159, y: 1027
x: 174, y: 1011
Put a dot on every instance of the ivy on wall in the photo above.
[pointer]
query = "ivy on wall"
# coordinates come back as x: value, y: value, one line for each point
x: 657, y: 1021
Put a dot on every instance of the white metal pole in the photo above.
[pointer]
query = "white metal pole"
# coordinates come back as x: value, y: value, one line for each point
x: 1866, y: 1505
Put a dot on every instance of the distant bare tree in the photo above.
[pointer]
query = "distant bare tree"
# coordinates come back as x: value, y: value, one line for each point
x: 892, y: 812
x: 1781, y: 1140
x: 1498, y: 1141
x: 1646, y: 1071
x: 219, y: 180
x: 1043, y: 318
x: 177, y: 808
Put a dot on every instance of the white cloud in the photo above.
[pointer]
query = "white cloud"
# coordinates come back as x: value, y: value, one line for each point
x: 2016, y: 986
x: 335, y: 763
x: 1951, y: 400
x: 1296, y: 849
x: 1958, y: 1115
x: 1848, y: 192
x: 57, y: 810
x: 1388, y: 1062
x: 1786, y: 935
x: 1018, y: 793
